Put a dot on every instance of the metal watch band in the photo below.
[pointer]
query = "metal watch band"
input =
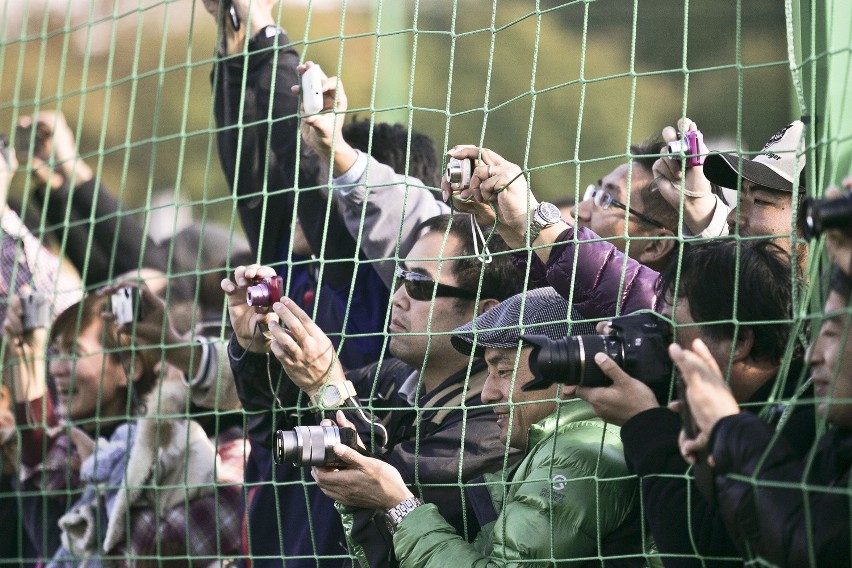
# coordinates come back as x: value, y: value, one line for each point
x: 395, y: 515
x: 341, y: 391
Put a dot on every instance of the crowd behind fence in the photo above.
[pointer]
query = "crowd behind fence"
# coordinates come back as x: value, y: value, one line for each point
x: 403, y: 354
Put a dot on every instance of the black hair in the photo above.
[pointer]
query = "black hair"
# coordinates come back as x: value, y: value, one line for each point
x: 763, y: 284
x: 500, y: 278
x: 654, y: 204
x: 840, y: 282
x: 390, y: 146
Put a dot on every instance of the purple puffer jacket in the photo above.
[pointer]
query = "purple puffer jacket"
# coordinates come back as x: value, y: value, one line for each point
x: 599, y: 273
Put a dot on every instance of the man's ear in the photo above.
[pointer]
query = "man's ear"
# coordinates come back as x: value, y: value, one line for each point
x: 655, y: 249
x: 485, y: 305
x: 744, y: 345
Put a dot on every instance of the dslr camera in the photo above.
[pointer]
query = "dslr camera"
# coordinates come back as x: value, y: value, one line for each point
x: 820, y: 215
x: 265, y: 292
x: 313, y: 445
x: 459, y: 173
x: 36, y: 311
x: 638, y: 343
x: 689, y: 145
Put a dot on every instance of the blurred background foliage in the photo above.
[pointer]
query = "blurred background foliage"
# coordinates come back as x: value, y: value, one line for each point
x: 562, y: 88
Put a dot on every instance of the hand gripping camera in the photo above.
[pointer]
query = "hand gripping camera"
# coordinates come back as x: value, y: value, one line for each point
x: 459, y: 173
x: 265, y: 292
x: 638, y: 343
x: 313, y: 445
x: 690, y: 145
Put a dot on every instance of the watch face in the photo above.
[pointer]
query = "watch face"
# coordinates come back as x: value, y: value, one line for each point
x: 331, y: 397
x: 549, y: 213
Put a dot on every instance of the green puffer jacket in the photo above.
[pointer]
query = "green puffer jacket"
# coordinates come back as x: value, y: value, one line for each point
x: 570, y: 498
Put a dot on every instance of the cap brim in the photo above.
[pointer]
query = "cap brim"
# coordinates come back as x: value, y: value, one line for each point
x: 725, y: 169
x: 463, y: 338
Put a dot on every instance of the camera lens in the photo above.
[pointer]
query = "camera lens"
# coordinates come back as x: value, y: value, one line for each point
x: 258, y: 295
x: 306, y: 445
x: 821, y: 215
x: 571, y: 361
x: 454, y: 172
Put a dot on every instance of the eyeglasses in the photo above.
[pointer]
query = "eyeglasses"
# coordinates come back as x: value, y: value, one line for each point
x: 604, y: 199
x: 421, y: 287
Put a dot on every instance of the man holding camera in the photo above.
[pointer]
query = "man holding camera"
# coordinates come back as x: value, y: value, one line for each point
x: 569, y: 499
x: 789, y: 512
x: 449, y: 439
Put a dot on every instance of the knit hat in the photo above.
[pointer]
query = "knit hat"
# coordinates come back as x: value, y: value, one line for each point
x: 545, y: 313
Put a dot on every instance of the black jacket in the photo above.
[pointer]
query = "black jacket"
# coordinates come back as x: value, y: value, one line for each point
x: 689, y: 530
x: 444, y: 440
x: 786, y: 526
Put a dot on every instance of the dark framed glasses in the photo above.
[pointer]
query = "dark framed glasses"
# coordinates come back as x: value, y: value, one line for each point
x: 604, y: 199
x: 421, y: 287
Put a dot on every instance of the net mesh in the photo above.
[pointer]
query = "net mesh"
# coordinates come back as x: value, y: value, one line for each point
x: 146, y: 147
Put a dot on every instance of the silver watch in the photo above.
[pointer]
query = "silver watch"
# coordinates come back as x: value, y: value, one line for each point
x: 334, y: 395
x: 543, y: 216
x: 394, y: 515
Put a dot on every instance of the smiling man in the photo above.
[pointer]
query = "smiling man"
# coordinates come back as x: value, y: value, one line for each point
x: 569, y: 499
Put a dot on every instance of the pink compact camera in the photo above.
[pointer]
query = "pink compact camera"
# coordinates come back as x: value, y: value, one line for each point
x: 689, y: 145
x: 265, y: 292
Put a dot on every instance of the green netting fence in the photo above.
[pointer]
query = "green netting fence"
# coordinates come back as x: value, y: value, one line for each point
x: 125, y: 165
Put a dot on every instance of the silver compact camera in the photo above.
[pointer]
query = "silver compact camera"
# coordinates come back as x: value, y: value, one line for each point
x: 125, y: 305
x: 459, y: 173
x: 36, y: 311
x: 313, y: 445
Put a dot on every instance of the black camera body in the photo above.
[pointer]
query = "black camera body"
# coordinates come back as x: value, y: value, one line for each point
x: 820, y: 215
x: 638, y: 342
x: 313, y: 445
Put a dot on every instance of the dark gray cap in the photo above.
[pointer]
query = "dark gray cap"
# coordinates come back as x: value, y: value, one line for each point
x: 545, y: 313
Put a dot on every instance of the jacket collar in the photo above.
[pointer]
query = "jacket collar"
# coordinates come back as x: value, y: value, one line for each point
x: 567, y: 412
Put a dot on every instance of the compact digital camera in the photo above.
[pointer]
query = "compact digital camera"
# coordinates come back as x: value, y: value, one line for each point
x: 265, y: 292
x: 313, y: 445
x: 638, y: 343
x: 819, y: 215
x: 126, y: 305
x: 36, y: 311
x: 689, y: 145
x: 459, y: 173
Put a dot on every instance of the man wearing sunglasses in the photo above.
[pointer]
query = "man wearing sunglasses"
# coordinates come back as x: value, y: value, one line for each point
x: 450, y: 438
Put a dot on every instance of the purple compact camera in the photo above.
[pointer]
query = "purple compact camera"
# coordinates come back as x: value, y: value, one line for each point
x: 265, y: 292
x: 689, y: 145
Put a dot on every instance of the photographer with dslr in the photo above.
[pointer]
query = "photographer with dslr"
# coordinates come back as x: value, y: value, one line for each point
x: 751, y: 350
x: 438, y: 434
x: 780, y: 507
x: 570, y: 499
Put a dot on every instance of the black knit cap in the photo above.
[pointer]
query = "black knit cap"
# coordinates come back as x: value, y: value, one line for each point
x: 545, y: 313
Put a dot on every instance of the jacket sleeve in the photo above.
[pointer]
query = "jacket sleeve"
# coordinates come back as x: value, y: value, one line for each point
x: 110, y: 245
x: 786, y: 524
x: 384, y: 208
x: 552, y: 511
x: 606, y: 282
x: 669, y: 495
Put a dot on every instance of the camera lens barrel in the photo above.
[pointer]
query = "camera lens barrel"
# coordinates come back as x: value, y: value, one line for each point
x: 571, y: 360
x: 306, y: 445
x: 265, y: 293
x: 823, y: 214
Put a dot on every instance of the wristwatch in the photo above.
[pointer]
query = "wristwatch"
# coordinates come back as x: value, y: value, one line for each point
x: 543, y: 216
x: 394, y: 515
x: 334, y: 395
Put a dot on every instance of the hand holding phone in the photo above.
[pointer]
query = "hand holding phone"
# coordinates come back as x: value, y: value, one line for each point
x: 311, y: 89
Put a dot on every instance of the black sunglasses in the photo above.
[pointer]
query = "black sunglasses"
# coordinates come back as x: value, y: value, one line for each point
x: 421, y: 287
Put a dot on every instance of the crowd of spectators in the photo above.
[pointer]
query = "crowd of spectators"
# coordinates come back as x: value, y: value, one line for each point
x: 450, y: 358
